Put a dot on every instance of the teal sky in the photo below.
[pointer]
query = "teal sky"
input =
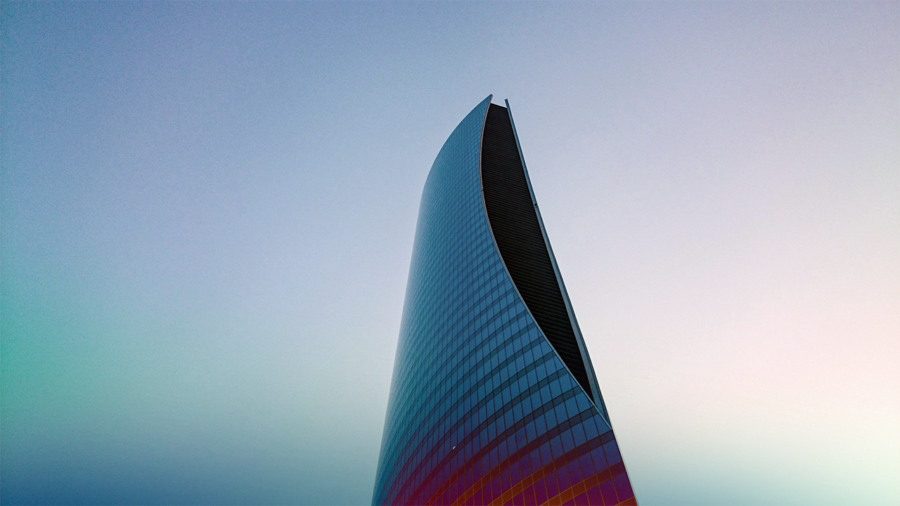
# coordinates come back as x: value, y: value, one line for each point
x: 207, y: 213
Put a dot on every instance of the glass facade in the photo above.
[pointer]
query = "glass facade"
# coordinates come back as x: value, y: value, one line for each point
x: 483, y: 409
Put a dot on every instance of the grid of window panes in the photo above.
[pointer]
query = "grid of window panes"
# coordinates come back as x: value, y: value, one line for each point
x: 482, y: 410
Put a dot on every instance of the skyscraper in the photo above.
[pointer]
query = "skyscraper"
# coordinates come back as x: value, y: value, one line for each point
x: 494, y: 399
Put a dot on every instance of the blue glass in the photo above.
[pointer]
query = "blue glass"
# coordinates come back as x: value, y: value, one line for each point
x: 482, y: 409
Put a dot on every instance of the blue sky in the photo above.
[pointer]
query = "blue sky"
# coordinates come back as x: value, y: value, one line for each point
x: 208, y: 212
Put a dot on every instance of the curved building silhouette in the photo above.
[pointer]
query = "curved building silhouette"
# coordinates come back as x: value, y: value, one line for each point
x: 494, y: 399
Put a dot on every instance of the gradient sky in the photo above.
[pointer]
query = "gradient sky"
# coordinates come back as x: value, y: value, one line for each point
x: 208, y: 212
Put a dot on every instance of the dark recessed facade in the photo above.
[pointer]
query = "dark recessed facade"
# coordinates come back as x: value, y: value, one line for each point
x: 494, y: 399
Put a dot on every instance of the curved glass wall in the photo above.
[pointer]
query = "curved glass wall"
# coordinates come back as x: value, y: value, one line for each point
x: 482, y: 408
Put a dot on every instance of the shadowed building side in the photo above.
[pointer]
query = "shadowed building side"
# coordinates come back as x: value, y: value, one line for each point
x: 517, y: 230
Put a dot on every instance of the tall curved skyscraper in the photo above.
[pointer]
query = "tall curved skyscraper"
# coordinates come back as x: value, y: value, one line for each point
x: 494, y: 399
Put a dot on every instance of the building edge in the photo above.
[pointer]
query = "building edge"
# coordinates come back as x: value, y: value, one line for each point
x: 594, y: 395
x: 597, y: 396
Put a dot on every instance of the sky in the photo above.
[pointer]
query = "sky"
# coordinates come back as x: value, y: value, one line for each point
x: 207, y: 213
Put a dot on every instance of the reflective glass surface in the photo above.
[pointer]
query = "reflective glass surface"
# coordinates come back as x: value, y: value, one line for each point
x: 482, y: 409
